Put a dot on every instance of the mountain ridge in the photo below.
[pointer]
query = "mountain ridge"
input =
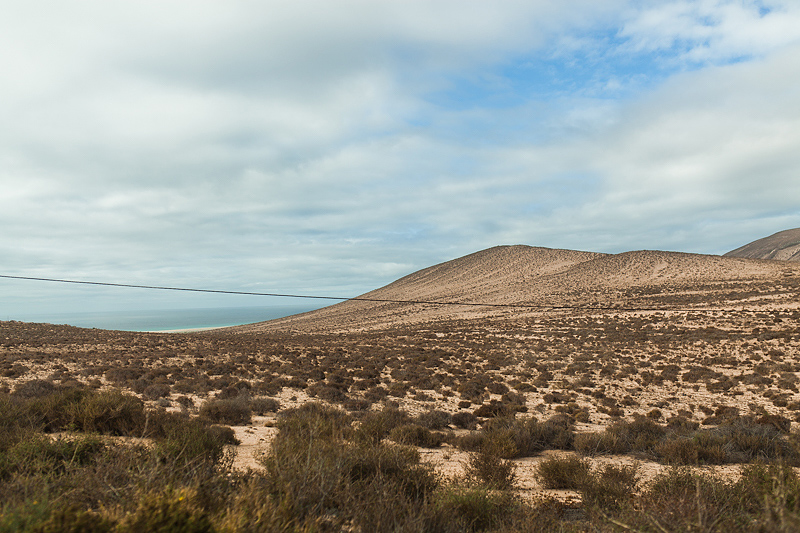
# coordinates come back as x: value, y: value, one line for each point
x: 783, y: 246
x: 544, y: 277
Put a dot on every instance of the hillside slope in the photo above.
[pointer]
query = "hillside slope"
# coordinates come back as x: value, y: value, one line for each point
x: 784, y: 245
x: 543, y: 278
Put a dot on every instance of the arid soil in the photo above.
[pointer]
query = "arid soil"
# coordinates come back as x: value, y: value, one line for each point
x: 659, y: 335
x: 541, y: 279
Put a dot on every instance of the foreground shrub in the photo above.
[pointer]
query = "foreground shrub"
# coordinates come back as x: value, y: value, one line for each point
x: 487, y: 467
x: 167, y: 512
x: 471, y: 509
x: 610, y: 487
x: 312, y: 468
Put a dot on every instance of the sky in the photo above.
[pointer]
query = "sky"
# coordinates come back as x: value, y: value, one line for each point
x: 321, y: 147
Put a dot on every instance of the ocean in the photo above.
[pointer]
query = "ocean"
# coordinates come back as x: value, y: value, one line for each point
x: 172, y: 319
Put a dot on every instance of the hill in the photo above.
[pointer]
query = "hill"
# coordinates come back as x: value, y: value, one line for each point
x: 543, y: 278
x: 784, y: 245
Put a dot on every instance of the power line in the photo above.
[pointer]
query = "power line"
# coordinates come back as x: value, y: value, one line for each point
x: 358, y: 298
x: 280, y: 295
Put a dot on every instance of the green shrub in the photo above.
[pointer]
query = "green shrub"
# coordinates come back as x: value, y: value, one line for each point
x: 37, y: 454
x: 168, y: 512
x: 74, y: 520
x: 471, y: 509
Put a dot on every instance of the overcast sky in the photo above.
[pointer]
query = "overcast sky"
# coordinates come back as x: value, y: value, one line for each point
x: 331, y: 147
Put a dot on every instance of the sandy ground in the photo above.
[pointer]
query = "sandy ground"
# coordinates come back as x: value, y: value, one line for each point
x: 654, y: 334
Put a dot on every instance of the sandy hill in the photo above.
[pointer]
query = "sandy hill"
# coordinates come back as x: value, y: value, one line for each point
x: 550, y: 278
x: 784, y: 245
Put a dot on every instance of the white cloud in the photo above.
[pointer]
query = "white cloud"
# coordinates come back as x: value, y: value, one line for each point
x: 713, y: 30
x: 320, y: 146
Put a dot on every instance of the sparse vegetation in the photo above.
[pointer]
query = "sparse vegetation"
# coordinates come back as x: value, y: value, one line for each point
x: 681, y: 388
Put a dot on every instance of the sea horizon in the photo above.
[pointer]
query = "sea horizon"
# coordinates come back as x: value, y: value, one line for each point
x: 164, y: 320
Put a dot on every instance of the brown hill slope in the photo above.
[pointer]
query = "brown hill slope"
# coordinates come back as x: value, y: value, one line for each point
x: 552, y: 278
x: 784, y: 245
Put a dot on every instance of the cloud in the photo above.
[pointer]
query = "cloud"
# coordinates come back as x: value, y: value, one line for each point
x: 333, y: 147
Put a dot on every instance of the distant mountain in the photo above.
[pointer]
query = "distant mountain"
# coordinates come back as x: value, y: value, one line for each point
x: 784, y: 245
x: 538, y: 279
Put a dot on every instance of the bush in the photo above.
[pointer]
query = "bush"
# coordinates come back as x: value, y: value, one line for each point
x: 487, y: 467
x: 414, y: 435
x: 465, y: 420
x: 167, y: 512
x: 563, y: 473
x: 611, y: 486
x: 262, y: 406
x: 376, y: 426
x: 111, y: 412
x: 434, y: 419
x: 471, y: 509
x: 191, y: 440
x: 528, y: 437
x: 234, y: 412
x: 35, y: 388
x: 313, y: 471
x: 156, y: 391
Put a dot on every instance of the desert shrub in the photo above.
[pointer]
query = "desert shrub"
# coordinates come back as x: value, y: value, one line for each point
x: 261, y: 406
x: 686, y: 501
x: 356, y: 404
x: 73, y: 519
x: 111, y: 412
x: 640, y: 435
x: 169, y: 511
x: 190, y: 440
x: 415, y: 435
x: 313, y: 421
x: 470, y: 509
x: 312, y: 470
x: 493, y: 409
x: 465, y: 420
x: 34, y: 453
x: 35, y: 388
x: 563, y: 473
x: 434, y: 419
x: 611, y: 486
x: 330, y: 394
x: 156, y: 391
x: 781, y: 423
x: 529, y: 436
x: 496, y: 387
x: 235, y: 411
x: 185, y: 401
x: 377, y: 425
x: 488, y: 467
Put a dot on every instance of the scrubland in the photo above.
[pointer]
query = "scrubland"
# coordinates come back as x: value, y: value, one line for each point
x: 563, y: 421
